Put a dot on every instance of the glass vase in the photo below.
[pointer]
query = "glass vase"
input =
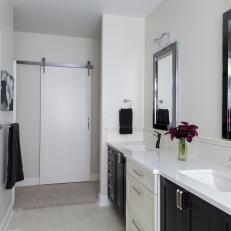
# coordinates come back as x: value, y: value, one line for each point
x: 182, y: 149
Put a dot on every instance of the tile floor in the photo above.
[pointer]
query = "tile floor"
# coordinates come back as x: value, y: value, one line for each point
x: 84, y: 217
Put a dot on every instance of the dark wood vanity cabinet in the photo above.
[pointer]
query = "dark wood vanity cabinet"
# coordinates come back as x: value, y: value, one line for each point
x: 201, y: 216
x: 111, y: 175
x: 117, y: 180
x: 172, y: 218
x: 225, y: 222
x: 183, y: 211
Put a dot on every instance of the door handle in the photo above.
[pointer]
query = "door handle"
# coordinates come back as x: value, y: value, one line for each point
x: 177, y: 198
x: 180, y: 200
x: 88, y: 123
x: 119, y: 157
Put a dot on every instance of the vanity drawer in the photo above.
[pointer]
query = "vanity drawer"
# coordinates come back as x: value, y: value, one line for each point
x: 141, y: 200
x: 136, y: 224
x: 143, y: 176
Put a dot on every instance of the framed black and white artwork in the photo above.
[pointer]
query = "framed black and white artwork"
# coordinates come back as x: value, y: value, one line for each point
x: 7, y: 91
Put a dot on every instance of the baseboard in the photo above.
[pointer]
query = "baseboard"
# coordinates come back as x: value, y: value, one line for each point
x: 95, y: 177
x: 28, y: 182
x: 7, y: 218
x: 104, y: 200
x: 35, y: 180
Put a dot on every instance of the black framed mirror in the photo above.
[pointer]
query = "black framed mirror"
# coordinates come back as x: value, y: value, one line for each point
x: 226, y: 102
x: 165, y: 94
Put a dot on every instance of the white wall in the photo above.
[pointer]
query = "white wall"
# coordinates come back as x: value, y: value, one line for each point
x: 122, y: 77
x: 197, y: 26
x: 57, y: 49
x: 6, y: 63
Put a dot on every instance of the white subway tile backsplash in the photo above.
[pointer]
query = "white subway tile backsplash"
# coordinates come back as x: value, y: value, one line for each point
x: 203, y: 151
x: 214, y: 150
x: 223, y: 156
x: 114, y: 136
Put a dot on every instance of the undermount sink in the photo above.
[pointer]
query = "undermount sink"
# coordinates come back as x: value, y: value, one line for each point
x: 138, y: 148
x: 210, y: 178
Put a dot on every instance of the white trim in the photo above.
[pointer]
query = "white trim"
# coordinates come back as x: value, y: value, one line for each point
x: 104, y: 200
x: 13, y: 196
x: 35, y: 180
x: 7, y: 218
x: 95, y: 177
x: 28, y: 182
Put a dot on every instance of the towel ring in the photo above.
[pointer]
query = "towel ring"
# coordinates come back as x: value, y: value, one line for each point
x: 127, y: 100
x: 4, y: 126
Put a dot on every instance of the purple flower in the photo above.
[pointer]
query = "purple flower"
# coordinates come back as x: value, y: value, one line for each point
x: 184, y: 130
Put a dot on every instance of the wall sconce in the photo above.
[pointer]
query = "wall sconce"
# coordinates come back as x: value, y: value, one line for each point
x: 162, y: 41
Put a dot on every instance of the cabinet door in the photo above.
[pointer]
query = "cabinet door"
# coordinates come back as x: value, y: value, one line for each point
x: 111, y: 175
x: 120, y: 183
x: 171, y: 216
x: 201, y: 216
x: 225, y: 222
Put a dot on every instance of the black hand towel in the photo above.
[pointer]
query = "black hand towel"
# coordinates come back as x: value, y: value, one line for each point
x: 14, y: 167
x: 125, y: 118
x: 162, y: 117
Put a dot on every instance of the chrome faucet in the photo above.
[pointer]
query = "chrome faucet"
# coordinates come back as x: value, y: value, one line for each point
x: 158, y: 135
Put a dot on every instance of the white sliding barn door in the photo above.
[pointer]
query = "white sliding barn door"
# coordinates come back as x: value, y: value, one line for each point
x: 65, y: 125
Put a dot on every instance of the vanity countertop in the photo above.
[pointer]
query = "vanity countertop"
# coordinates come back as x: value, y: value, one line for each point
x: 164, y: 162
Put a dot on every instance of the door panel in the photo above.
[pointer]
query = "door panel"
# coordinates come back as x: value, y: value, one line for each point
x: 112, y: 175
x: 171, y: 217
x: 120, y: 178
x: 201, y: 215
x: 65, y: 125
x: 193, y: 214
x: 225, y: 222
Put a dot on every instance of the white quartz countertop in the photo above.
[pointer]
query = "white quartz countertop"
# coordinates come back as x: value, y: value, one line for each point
x: 164, y: 162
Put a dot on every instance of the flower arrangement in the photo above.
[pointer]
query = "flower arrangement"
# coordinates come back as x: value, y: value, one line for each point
x: 183, y: 132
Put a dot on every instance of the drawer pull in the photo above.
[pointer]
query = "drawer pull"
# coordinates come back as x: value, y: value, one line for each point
x: 137, y: 191
x: 137, y: 226
x: 139, y: 174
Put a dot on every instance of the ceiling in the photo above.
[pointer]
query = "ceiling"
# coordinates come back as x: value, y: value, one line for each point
x: 80, y: 18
